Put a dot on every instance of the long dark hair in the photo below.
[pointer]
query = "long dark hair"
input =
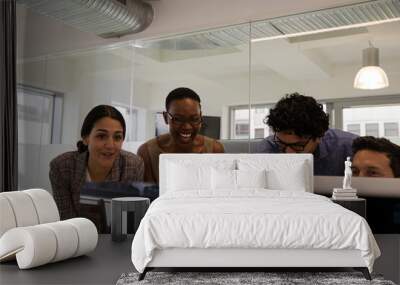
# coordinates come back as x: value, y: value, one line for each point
x: 97, y: 113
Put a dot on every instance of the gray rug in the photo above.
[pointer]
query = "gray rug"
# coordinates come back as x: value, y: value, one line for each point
x: 270, y: 278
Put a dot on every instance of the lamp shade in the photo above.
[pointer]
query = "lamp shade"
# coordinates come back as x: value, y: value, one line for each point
x: 371, y: 76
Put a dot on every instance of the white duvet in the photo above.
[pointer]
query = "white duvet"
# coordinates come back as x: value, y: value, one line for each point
x: 250, y: 218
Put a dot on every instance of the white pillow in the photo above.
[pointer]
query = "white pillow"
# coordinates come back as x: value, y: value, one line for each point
x: 251, y: 178
x: 223, y: 179
x: 288, y: 175
x: 284, y: 174
x: 228, y: 179
x: 183, y: 177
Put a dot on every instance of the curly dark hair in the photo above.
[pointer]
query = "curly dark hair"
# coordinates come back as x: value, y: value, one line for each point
x: 298, y: 113
x: 383, y: 145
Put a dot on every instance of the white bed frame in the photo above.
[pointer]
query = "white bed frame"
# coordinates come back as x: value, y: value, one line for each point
x: 250, y: 258
x: 234, y: 257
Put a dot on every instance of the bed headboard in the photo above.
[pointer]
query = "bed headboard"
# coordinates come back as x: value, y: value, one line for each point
x: 286, y: 164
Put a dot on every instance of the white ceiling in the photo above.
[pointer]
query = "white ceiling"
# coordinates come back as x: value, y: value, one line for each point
x: 39, y: 35
x: 314, y: 57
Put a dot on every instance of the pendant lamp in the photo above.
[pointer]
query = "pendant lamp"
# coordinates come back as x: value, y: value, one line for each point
x: 371, y: 76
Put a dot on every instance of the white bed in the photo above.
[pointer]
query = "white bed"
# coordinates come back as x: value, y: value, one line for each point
x: 247, y: 210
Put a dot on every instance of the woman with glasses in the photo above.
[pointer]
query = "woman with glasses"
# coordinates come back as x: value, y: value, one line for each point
x: 183, y: 116
x: 300, y: 125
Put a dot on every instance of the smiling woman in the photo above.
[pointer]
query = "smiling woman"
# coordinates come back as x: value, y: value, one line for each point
x: 183, y: 115
x: 99, y: 158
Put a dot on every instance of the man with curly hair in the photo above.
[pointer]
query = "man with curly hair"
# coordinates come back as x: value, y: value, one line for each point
x: 300, y: 125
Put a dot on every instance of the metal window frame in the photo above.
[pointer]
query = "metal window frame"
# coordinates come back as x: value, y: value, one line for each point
x: 132, y: 132
x: 375, y: 128
x: 341, y: 103
x: 384, y: 128
x: 233, y: 108
x: 334, y: 107
x: 354, y: 124
x: 56, y: 109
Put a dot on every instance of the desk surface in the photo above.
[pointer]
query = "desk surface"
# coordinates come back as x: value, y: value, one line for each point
x: 102, y: 266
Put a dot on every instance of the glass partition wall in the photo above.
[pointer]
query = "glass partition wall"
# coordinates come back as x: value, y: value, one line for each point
x: 215, y: 64
x: 297, y: 56
x: 238, y: 71
x: 55, y: 93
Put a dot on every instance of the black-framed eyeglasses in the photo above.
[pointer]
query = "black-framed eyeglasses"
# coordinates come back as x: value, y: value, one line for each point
x: 298, y: 147
x: 194, y: 121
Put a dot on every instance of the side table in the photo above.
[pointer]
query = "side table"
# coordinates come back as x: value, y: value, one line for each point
x: 137, y: 205
x: 358, y: 205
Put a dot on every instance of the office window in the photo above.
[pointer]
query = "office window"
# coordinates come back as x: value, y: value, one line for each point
x: 261, y: 111
x: 391, y: 129
x: 257, y: 128
x: 242, y: 129
x: 239, y: 123
x: 259, y: 133
x: 39, y: 116
x: 245, y: 124
x: 130, y: 116
x: 161, y: 126
x: 353, y: 128
x: 372, y: 129
x: 378, y: 120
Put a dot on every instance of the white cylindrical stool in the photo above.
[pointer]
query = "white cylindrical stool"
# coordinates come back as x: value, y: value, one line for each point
x: 137, y: 205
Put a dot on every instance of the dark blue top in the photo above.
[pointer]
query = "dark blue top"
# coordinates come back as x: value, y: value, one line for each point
x: 329, y: 156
